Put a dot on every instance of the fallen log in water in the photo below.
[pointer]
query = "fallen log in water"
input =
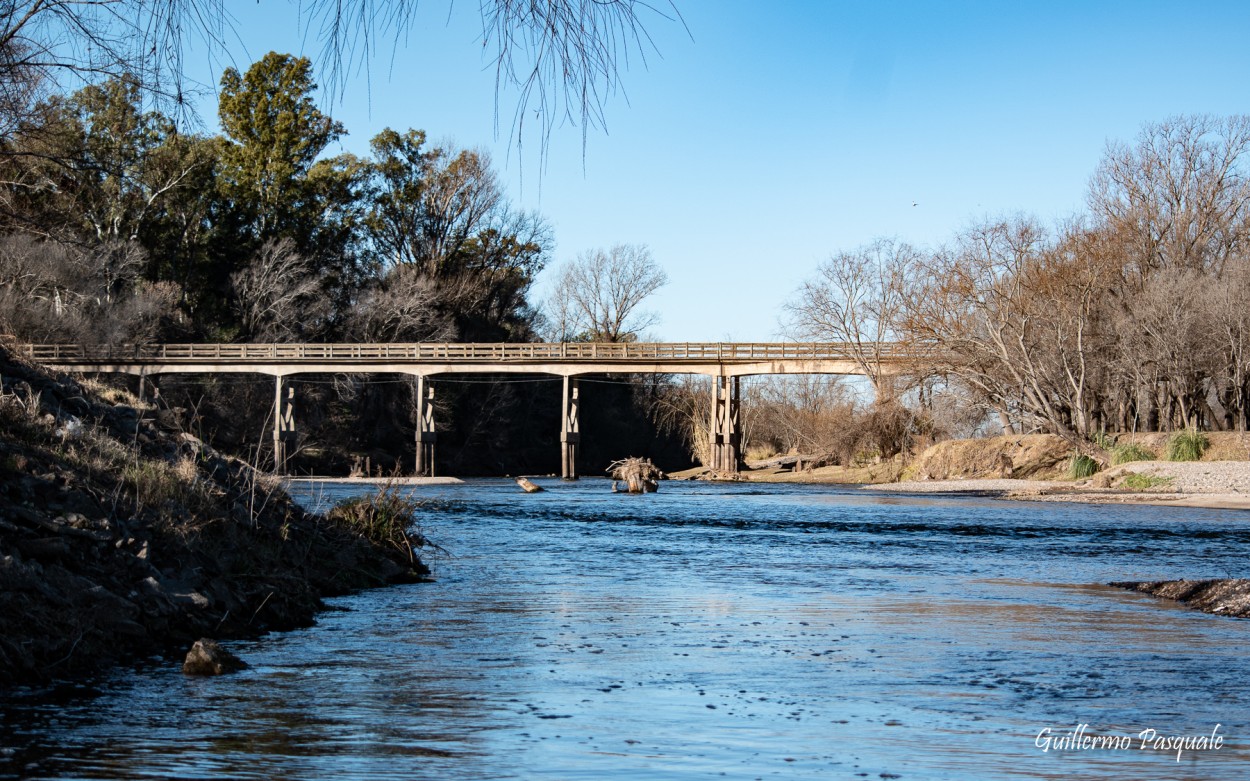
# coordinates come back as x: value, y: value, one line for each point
x: 530, y: 488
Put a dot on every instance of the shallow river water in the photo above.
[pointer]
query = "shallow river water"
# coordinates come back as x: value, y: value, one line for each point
x: 709, y: 631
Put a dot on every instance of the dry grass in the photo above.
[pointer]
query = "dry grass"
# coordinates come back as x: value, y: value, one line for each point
x: 113, y: 394
x: 22, y: 417
x: 760, y: 452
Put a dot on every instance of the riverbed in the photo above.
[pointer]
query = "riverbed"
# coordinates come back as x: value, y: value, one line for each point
x: 708, y: 631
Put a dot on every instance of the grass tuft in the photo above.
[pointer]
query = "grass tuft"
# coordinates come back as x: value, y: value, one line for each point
x: 1187, y: 445
x: 1138, y: 482
x: 1081, y: 467
x: 1127, y: 453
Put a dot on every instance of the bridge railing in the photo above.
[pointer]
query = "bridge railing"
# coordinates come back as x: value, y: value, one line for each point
x: 429, y: 351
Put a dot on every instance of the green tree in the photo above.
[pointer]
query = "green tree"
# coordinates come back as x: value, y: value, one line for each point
x: 276, y: 133
x: 100, y: 165
x: 440, y: 215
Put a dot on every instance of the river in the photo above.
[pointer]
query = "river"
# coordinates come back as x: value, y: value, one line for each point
x: 708, y: 631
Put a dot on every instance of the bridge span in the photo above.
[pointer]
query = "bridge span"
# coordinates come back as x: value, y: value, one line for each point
x: 724, y: 362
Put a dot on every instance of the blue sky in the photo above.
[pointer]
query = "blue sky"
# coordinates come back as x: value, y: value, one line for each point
x: 764, y: 136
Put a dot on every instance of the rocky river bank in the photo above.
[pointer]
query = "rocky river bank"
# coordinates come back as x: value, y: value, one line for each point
x: 122, y: 536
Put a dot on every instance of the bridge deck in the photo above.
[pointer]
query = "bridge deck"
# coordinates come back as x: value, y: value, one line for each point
x: 558, y: 358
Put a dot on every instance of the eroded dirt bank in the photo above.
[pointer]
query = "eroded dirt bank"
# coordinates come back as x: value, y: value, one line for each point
x: 121, y: 537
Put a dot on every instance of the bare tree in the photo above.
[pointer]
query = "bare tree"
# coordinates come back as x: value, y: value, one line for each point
x: 1179, y: 198
x: 277, y: 295
x: 401, y: 307
x: 1016, y: 317
x: 681, y: 404
x: 597, y: 295
x: 856, y: 299
x: 806, y: 414
x: 1230, y: 330
x: 54, y: 292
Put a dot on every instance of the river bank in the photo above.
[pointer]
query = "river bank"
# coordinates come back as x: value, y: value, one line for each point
x: 1033, y: 468
x: 122, y: 537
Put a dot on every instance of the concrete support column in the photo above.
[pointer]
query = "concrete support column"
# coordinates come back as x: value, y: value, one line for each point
x: 283, y: 425
x: 570, y: 430
x: 426, y: 435
x: 724, y: 434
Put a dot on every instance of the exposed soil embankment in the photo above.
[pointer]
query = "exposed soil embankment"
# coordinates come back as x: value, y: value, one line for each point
x: 120, y: 538
x: 1227, y: 596
x: 1022, y: 456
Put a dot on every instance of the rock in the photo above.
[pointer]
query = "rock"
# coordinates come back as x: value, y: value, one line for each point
x: 192, y: 600
x: 206, y: 657
x: 1225, y: 596
x: 43, y: 549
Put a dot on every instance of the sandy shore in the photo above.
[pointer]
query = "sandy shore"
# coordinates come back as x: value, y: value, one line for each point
x: 1058, y: 491
x: 1222, y: 485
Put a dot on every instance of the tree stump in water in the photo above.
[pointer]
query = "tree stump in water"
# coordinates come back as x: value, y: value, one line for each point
x: 638, y: 474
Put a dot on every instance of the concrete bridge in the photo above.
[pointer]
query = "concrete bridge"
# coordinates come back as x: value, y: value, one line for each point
x: 724, y: 362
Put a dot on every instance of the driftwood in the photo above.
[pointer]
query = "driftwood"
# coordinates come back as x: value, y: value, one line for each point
x: 638, y: 474
x: 530, y: 488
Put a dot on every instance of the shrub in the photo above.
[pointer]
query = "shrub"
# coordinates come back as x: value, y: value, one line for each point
x: 1082, y: 466
x: 1124, y: 454
x: 1187, y: 445
x: 385, y: 519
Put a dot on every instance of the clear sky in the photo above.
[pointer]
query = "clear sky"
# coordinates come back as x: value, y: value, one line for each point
x: 764, y: 136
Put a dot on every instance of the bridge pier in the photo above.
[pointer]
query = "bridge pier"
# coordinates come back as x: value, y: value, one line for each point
x: 426, y: 435
x: 726, y: 439
x: 570, y: 430
x: 283, y: 425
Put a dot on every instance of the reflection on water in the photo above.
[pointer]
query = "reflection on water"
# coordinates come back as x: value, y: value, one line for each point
x: 706, y: 631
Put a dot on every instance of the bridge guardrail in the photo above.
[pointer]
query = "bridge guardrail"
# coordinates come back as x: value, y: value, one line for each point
x: 467, y: 351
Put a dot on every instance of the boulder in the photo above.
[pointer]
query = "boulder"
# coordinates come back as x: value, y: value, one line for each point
x: 206, y: 657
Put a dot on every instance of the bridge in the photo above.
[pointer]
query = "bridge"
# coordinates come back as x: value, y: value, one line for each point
x: 724, y: 362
